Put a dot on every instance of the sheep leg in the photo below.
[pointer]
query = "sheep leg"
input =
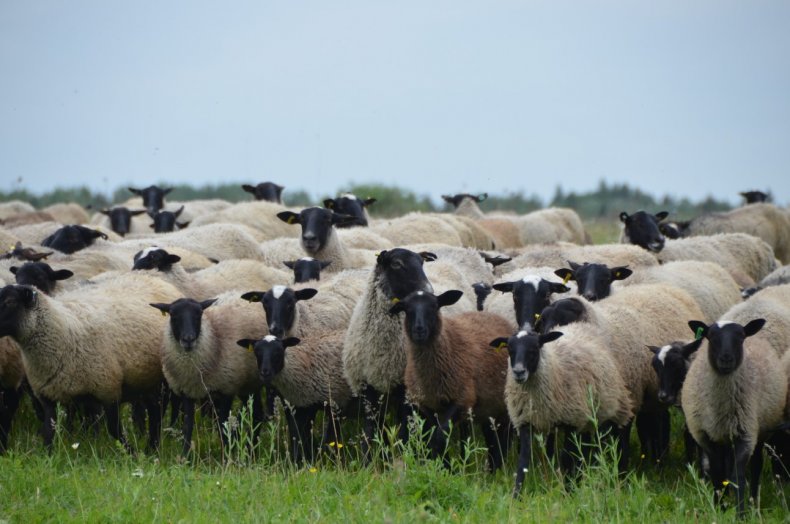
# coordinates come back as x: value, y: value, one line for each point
x: 569, y: 456
x: 9, y: 402
x: 175, y: 402
x: 302, y: 420
x: 48, y: 428
x: 624, y: 447
x: 741, y: 451
x: 188, y: 407
x: 222, y: 404
x: 756, y: 465
x: 373, y: 420
x: 154, y: 409
x: 112, y: 410
x: 403, y: 409
x: 717, y: 459
x: 690, y: 446
x: 524, y: 455
x: 493, y: 444
x: 138, y: 415
x: 331, y: 427
x: 271, y: 394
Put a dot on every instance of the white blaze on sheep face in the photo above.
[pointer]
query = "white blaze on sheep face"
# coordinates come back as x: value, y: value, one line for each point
x: 722, y: 323
x: 350, y: 196
x: 521, y: 334
x: 534, y: 280
x: 269, y: 338
x: 278, y: 291
x: 147, y: 251
x: 307, y: 259
x: 663, y: 353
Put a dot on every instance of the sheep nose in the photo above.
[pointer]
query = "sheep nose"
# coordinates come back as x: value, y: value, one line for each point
x: 309, y: 235
x: 589, y: 295
x: 662, y: 396
x: 276, y: 330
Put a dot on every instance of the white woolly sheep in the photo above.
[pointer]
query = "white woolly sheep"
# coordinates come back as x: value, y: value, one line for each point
x: 68, y: 213
x: 14, y: 207
x: 12, y: 373
x: 417, y: 228
x: 773, y: 305
x: 258, y: 215
x: 557, y: 254
x: 777, y: 277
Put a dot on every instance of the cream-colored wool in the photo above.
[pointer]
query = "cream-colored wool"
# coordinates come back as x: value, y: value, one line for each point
x: 68, y: 213
x: 557, y: 255
x: 12, y: 372
x: 772, y: 304
x: 551, y: 225
x: 216, y: 364
x: 258, y: 214
x: 504, y: 232
x: 14, y: 207
x: 334, y: 251
x: 360, y: 238
x: 417, y: 228
x: 571, y: 369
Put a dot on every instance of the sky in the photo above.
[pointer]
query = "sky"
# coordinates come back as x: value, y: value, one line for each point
x: 683, y: 98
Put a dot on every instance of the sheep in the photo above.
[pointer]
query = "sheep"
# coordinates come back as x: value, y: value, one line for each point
x: 218, y: 278
x: 641, y: 229
x: 350, y: 205
x: 414, y: 228
x: 708, y: 283
x: 466, y: 204
x: 754, y: 197
x: 8, y: 239
x: 24, y: 219
x: 374, y: 358
x: 451, y: 374
x: 551, y: 225
x: 777, y: 277
x: 469, y: 233
x: 531, y: 292
x: 167, y: 221
x: 258, y: 215
x: 14, y: 207
x: 268, y: 191
x: 68, y: 213
x: 309, y: 377
x: 748, y: 259
x: 733, y: 396
x: 69, y: 239
x: 319, y: 238
x: 153, y: 197
x: 40, y: 275
x: 200, y: 358
x: 555, y: 255
x: 25, y: 253
x: 504, y: 233
x: 593, y: 281
x: 306, y: 268
x: 360, y: 238
x: 215, y: 241
x: 765, y: 221
x: 12, y: 373
x: 773, y: 305
x: 100, y: 342
x: 120, y: 220
x: 549, y: 385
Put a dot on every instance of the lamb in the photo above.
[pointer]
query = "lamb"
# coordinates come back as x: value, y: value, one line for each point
x: 218, y: 278
x: 268, y: 191
x: 309, y: 377
x: 549, y: 386
x: 451, y: 374
x: 350, y: 205
x: 765, y: 221
x: 258, y: 215
x: 12, y: 373
x: 99, y: 341
x: 40, y: 275
x: 777, y: 277
x: 734, y: 395
x: 374, y: 358
x: 200, y: 358
x: 713, y: 288
x: 319, y: 239
x: 748, y: 259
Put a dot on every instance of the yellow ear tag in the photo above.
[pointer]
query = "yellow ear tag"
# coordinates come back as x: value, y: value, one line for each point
x: 249, y: 348
x: 291, y: 219
x: 617, y: 275
x: 567, y: 277
x: 501, y: 346
x: 537, y: 316
x: 164, y: 313
x: 395, y: 300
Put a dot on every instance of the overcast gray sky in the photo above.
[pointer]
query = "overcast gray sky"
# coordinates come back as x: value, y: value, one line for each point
x: 674, y: 97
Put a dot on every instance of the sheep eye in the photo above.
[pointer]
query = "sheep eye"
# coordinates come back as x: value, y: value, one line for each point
x: 397, y: 264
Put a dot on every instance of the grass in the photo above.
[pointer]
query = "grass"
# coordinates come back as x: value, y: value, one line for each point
x: 97, y: 481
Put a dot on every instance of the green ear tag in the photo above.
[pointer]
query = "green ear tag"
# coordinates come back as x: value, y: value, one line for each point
x: 699, y: 333
x: 395, y: 300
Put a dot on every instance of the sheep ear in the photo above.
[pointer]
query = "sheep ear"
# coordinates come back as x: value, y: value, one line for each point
x: 289, y: 217
x: 397, y: 308
x: 554, y: 287
x: 499, y: 343
x: 172, y: 259
x: 13, y: 269
x: 573, y: 265
x: 654, y: 349
x: 179, y: 211
x: 447, y: 198
x: 253, y: 296
x: 290, y: 264
x: 324, y: 265
x: 690, y: 348
x: 152, y: 226
x: 368, y: 201
x: 481, y: 197
x: 662, y: 215
x: 183, y: 225
x: 340, y: 219
x: 753, y: 327
x: 290, y: 341
x: 246, y: 343
x: 565, y: 274
x: 135, y: 191
x: 549, y: 337
x: 164, y: 308
x: 207, y: 303
x: 427, y: 256
x: 62, y: 274
x: 305, y: 294
x: 138, y: 212
x: 166, y: 191
x: 105, y: 211
x: 504, y: 287
x: 700, y: 329
x: 623, y: 216
x: 448, y: 298
x: 621, y: 273
x: 248, y: 188
x: 381, y: 256
x: 496, y: 260
x: 329, y: 203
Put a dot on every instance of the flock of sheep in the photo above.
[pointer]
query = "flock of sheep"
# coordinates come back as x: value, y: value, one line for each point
x: 513, y: 322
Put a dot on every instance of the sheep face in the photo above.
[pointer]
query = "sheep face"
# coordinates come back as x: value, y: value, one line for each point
x: 594, y: 281
x: 641, y: 229
x: 269, y: 353
x: 153, y: 197
x: 671, y: 363
x: 530, y: 296
x: 456, y: 200
x: 725, y: 342
x: 268, y: 191
x: 350, y: 205
x: 560, y: 313
x: 306, y: 269
x: 39, y: 275
x: 279, y: 304
x: 185, y: 319
x: 15, y: 301
x: 524, y: 350
x: 316, y: 225
x: 399, y: 272
x: 754, y: 197
x: 121, y: 218
x: 70, y: 239
x: 166, y: 221
x: 154, y: 258
x: 423, y: 323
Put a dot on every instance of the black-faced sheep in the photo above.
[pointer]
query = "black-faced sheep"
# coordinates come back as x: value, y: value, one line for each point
x: 167, y: 221
x: 69, y: 239
x: 351, y: 205
x: 641, y: 229
x: 306, y: 269
x: 733, y: 396
x: 593, y: 281
x: 268, y: 191
x: 12, y: 373
x: 120, y: 218
x: 40, y: 275
x: 451, y: 373
x: 153, y: 197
